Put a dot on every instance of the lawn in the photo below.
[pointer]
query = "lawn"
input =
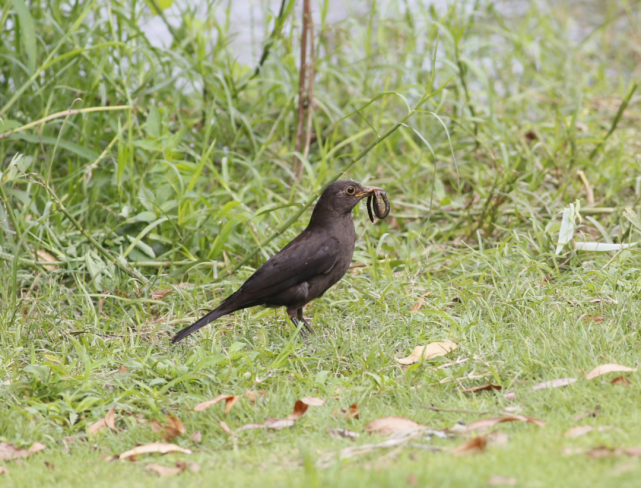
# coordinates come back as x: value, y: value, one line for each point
x: 507, y: 138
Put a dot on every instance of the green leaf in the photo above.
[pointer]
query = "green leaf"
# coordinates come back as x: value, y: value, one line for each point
x: 27, y: 32
x: 221, y: 238
x: 153, y: 123
x: 161, y: 4
x: 78, y: 150
x: 7, y: 124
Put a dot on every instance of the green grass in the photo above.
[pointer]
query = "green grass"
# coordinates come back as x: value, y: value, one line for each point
x: 197, y: 171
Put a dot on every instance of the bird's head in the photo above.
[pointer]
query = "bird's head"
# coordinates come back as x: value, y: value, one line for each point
x: 341, y: 197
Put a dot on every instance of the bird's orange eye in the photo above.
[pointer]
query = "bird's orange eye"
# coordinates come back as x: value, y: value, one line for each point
x: 350, y: 190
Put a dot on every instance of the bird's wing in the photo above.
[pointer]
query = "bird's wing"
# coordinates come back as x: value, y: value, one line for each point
x: 306, y: 256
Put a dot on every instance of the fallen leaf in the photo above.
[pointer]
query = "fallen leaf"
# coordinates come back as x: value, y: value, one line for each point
x: 337, y: 433
x: 632, y: 451
x: 173, y: 427
x: 3, y: 470
x: 600, y: 452
x: 353, y: 412
x: 48, y: 257
x: 621, y: 380
x: 154, y: 447
x: 196, y: 437
x: 512, y: 409
x: 164, y: 470
x: 230, y: 401
x: 419, y: 303
x: 473, y: 446
x: 122, y: 369
x: 608, y: 368
x: 425, y: 353
x: 554, y: 383
x: 160, y: 294
x: 9, y: 451
x: 313, y: 401
x: 498, y: 480
x: 50, y: 466
x: 299, y: 410
x: 498, y: 438
x: 188, y: 464
x: 487, y: 423
x: 389, y: 425
x: 578, y: 431
x: 252, y: 427
x: 253, y: 396
x: 510, y: 395
x: 477, y: 389
x: 225, y: 427
x: 278, y: 424
x: 109, y: 420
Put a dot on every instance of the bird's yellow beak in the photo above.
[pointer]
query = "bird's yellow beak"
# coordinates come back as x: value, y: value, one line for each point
x: 367, y: 191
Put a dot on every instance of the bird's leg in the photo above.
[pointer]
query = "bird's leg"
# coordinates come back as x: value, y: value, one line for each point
x: 299, y: 316
x: 292, y: 316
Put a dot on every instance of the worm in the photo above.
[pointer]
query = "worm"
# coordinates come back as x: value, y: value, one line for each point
x: 381, y: 205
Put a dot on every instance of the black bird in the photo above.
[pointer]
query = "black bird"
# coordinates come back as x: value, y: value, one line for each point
x: 306, y: 267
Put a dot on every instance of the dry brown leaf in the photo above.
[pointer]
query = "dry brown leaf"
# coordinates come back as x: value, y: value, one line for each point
x: 253, y: 396
x: 477, y: 389
x: 154, y: 447
x: 419, y: 303
x: 109, y: 420
x: 578, y: 431
x: 164, y: 470
x: 252, y: 427
x: 160, y: 294
x: 487, y: 423
x: 473, y: 446
x: 313, y: 401
x: 50, y: 466
x: 196, y: 437
x: 225, y: 427
x: 498, y: 480
x: 36, y: 447
x: 9, y: 451
x: 230, y: 401
x: 608, y: 368
x: 513, y: 409
x: 554, y: 383
x: 188, y: 464
x: 600, y: 452
x: 3, y: 470
x: 389, y: 425
x: 299, y: 410
x: 48, y: 257
x: 353, y: 412
x: 510, y: 395
x: 425, y: 353
x: 173, y: 427
x: 278, y: 424
x: 338, y: 433
x: 122, y: 369
x: 498, y: 438
x: 621, y: 380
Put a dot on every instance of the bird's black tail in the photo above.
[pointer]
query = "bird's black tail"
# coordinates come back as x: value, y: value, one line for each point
x: 210, y: 317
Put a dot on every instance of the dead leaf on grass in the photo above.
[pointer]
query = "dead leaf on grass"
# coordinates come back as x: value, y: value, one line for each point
x: 109, y: 420
x: 477, y: 389
x: 188, y: 464
x: 50, y: 466
x: 122, y: 369
x: 230, y: 401
x: 164, y: 470
x: 313, y: 401
x: 557, y: 383
x: 154, y: 447
x: 3, y: 470
x: 253, y: 396
x: 278, y: 424
x: 498, y: 439
x: 9, y: 451
x: 487, y: 423
x: 419, y: 303
x: 173, y: 427
x: 48, y: 257
x: 353, y: 412
x: 608, y: 368
x: 299, y: 410
x: 425, y: 353
x: 581, y: 416
x: 498, y: 480
x: 196, y: 437
x: 600, y: 452
x: 337, y: 433
x: 473, y: 446
x: 225, y: 427
x: 510, y: 395
x: 160, y: 294
x: 621, y: 381
x: 390, y: 425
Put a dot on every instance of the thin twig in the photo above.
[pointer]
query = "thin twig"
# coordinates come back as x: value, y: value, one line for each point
x: 589, y: 194
x: 303, y: 98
